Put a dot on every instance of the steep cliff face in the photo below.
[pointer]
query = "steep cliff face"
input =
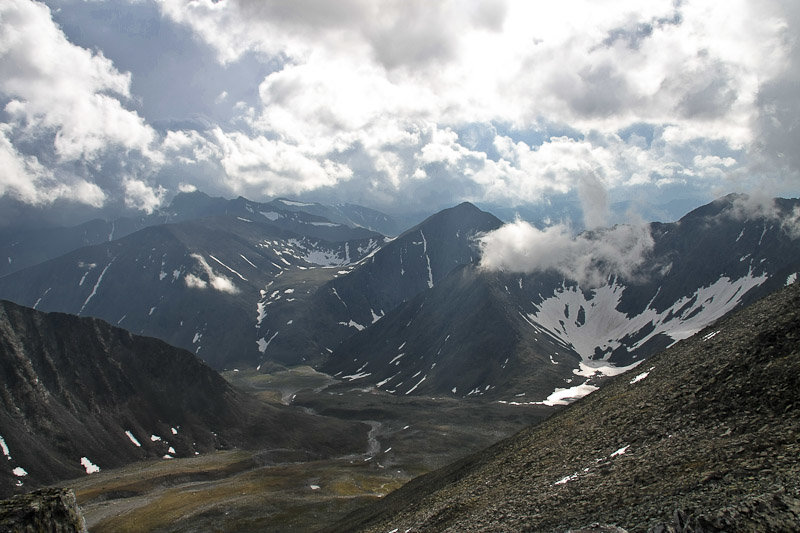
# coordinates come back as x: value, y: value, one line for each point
x: 708, y: 427
x: 77, y: 395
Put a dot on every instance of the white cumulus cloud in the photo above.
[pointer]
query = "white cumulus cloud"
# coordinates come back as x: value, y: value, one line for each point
x: 65, y: 108
x: 503, y: 101
x: 381, y: 87
x: 589, y: 258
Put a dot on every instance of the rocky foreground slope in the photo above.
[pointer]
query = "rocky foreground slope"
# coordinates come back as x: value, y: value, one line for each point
x: 702, y: 437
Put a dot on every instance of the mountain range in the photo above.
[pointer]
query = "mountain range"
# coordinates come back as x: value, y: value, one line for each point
x: 268, y: 285
x: 180, y: 281
x: 480, y: 332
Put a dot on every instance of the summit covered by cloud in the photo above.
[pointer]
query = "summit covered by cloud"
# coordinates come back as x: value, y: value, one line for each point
x: 497, y: 101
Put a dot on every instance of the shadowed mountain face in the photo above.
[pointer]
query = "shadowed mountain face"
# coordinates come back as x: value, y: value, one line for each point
x: 78, y: 394
x: 541, y: 338
x: 708, y: 428
x: 411, y: 264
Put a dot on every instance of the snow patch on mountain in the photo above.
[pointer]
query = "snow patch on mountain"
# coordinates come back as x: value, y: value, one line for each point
x: 263, y: 344
x: 133, y: 439
x: 590, y: 322
x: 566, y: 396
x: 248, y: 261
x: 359, y: 375
x: 5, y: 449
x: 387, y: 380
x: 427, y: 258
x: 229, y: 268
x: 621, y: 451
x: 89, y: 466
x: 270, y: 215
x: 261, y: 313
x: 352, y: 324
x: 39, y: 300
x: 315, y: 253
x: 89, y: 268
x: 96, y: 285
x: 412, y: 389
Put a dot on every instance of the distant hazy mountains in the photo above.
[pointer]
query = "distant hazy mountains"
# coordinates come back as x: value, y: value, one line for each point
x: 241, y: 283
x: 79, y: 395
x: 21, y: 247
x: 702, y: 437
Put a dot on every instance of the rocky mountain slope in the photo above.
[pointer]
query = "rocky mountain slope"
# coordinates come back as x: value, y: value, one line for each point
x: 462, y: 338
x: 544, y: 338
x: 704, y: 434
x: 77, y: 395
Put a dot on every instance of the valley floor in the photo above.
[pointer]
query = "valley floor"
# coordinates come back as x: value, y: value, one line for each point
x: 280, y: 490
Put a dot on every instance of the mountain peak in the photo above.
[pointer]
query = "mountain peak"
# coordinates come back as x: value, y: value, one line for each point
x: 196, y: 204
x: 464, y: 215
x: 466, y: 205
x: 716, y: 206
x: 190, y: 196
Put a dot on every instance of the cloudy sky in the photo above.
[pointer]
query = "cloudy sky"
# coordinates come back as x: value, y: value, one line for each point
x: 108, y: 103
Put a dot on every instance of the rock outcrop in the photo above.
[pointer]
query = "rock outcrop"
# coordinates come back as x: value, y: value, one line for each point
x: 51, y: 510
